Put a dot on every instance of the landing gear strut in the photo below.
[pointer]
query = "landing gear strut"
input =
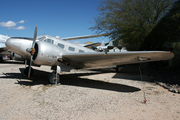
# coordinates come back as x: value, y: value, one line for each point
x: 54, y: 77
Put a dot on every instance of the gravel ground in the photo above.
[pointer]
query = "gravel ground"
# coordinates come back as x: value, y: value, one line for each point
x: 84, y: 95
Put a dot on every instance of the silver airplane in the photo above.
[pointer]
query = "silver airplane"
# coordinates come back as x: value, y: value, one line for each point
x: 102, y: 47
x: 64, y: 56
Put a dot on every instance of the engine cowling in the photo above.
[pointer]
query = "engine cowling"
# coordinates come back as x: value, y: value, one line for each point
x: 47, y: 54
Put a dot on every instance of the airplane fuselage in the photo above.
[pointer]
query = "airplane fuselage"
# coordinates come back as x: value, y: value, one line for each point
x: 19, y: 45
x: 51, y: 48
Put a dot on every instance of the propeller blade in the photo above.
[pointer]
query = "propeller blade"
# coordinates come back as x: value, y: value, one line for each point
x: 29, y: 72
x: 34, y: 38
x: 32, y: 51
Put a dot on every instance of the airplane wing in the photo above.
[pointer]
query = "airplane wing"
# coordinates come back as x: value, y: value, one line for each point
x: 100, y: 59
x: 83, y: 37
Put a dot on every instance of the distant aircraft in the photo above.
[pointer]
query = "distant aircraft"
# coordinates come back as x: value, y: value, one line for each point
x: 102, y: 47
x: 3, y: 49
x: 64, y: 56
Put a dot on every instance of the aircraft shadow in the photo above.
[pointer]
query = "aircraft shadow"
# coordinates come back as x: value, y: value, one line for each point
x: 11, y: 62
x: 41, y: 77
x: 132, y: 72
x: 73, y: 80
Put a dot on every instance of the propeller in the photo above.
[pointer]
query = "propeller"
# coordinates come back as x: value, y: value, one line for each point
x: 32, y: 51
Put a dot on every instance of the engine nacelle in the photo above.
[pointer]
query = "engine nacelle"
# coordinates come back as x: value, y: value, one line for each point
x: 46, y: 54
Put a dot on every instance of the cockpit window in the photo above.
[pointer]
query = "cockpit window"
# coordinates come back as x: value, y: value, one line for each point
x: 49, y: 41
x: 41, y: 39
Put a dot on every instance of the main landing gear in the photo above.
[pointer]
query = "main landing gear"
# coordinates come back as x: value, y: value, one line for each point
x: 53, y: 77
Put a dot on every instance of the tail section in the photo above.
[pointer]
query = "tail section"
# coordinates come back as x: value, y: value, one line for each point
x: 102, y: 44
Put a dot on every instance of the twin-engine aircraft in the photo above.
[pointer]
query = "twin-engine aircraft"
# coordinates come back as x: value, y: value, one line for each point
x: 64, y: 56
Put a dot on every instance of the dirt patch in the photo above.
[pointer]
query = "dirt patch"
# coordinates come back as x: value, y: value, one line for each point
x: 84, y: 95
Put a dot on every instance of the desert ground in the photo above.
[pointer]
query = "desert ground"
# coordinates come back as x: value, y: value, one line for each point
x: 84, y: 95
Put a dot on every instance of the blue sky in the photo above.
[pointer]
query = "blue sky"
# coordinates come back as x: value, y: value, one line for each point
x: 65, y: 18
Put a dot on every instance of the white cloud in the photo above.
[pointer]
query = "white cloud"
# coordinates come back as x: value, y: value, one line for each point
x: 22, y: 21
x: 8, y: 24
x: 19, y: 28
x: 12, y: 25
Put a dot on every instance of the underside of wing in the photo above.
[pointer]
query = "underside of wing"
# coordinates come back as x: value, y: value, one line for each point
x: 100, y: 59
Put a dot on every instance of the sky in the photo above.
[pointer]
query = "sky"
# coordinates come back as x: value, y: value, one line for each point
x: 64, y: 18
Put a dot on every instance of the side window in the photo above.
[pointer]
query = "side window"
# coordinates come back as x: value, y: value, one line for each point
x: 60, y: 45
x: 71, y: 49
x: 81, y: 51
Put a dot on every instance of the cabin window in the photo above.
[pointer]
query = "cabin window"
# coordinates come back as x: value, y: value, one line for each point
x: 81, y: 51
x: 60, y: 45
x: 71, y: 49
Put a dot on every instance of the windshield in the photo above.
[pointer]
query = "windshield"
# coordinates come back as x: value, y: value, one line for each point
x: 41, y: 38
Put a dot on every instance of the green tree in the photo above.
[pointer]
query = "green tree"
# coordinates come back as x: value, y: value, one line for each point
x: 130, y: 21
x: 167, y: 30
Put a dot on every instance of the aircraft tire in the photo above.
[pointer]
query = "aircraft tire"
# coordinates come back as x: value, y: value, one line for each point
x: 52, y: 77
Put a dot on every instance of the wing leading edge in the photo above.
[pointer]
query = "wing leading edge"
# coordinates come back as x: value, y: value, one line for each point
x: 100, y: 59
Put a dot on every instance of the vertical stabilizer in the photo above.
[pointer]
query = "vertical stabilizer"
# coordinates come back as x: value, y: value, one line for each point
x: 110, y: 43
x: 102, y: 44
